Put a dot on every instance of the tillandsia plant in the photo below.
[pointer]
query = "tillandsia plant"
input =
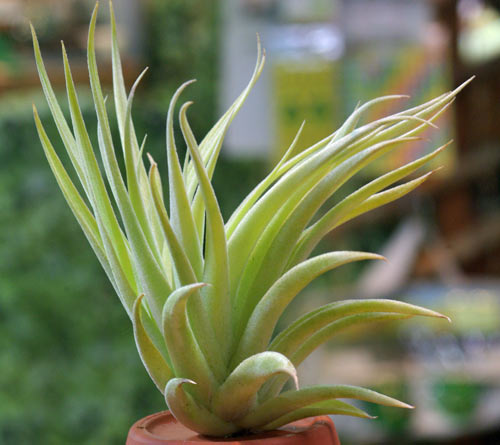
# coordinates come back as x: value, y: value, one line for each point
x: 204, y: 295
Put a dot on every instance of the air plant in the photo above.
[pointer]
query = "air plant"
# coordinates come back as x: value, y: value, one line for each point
x: 204, y: 295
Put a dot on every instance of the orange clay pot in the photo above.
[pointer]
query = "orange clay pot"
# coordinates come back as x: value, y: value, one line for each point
x: 162, y: 428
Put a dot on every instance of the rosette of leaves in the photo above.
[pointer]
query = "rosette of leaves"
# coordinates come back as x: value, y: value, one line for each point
x: 204, y: 295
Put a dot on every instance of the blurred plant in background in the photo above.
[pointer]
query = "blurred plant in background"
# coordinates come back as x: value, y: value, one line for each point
x: 181, y: 43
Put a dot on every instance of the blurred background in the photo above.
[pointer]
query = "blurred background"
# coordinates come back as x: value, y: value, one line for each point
x: 69, y: 372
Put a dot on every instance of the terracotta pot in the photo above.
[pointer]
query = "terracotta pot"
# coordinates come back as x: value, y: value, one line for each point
x: 162, y: 428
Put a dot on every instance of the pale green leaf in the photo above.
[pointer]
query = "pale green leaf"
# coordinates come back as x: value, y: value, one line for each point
x: 323, y: 335
x: 97, y: 192
x: 153, y: 282
x: 238, y: 394
x: 257, y: 192
x: 191, y: 414
x: 267, y: 312
x: 76, y: 203
x: 216, y: 270
x: 183, y: 268
x: 61, y: 124
x: 272, y: 251
x: 290, y: 401
x: 187, y: 358
x: 350, y: 206
x: 298, y: 332
x: 181, y: 216
x: 328, y: 407
x: 199, y: 318
x: 327, y: 332
x: 153, y: 361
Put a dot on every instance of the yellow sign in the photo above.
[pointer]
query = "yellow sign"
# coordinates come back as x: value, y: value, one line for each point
x: 304, y: 91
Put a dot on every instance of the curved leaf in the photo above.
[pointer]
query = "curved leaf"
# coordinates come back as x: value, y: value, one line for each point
x: 286, y: 164
x: 382, y: 198
x: 272, y: 388
x: 328, y: 407
x: 185, y: 272
x: 278, y: 200
x: 198, y: 317
x: 298, y: 332
x: 318, y: 338
x: 258, y: 191
x: 192, y: 415
x: 120, y: 98
x: 354, y: 203
x: 152, y: 279
x: 327, y: 332
x: 181, y: 215
x: 153, y: 361
x: 274, y: 247
x: 137, y: 198
x: 187, y: 358
x: 216, y: 268
x: 290, y: 401
x: 58, y: 116
x: 96, y: 190
x: 238, y: 394
x: 211, y: 144
x: 82, y: 213
x: 267, y: 312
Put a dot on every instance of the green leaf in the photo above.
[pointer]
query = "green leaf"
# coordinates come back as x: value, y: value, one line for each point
x: 327, y: 332
x: 153, y: 282
x: 183, y: 268
x: 290, y: 401
x: 306, y: 326
x: 199, y: 318
x: 120, y: 281
x: 211, y: 144
x: 328, y: 407
x: 350, y: 206
x: 97, y: 192
x: 119, y: 92
x: 299, y: 179
x: 351, y: 122
x: 385, y: 197
x: 180, y: 207
x: 187, y: 358
x: 141, y: 191
x: 267, y: 312
x: 133, y: 185
x: 191, y: 414
x: 238, y: 394
x: 430, y: 110
x: 272, y: 251
x: 61, y: 124
x: 75, y: 201
x: 216, y: 271
x: 284, y: 164
x: 257, y: 192
x: 273, y: 388
x: 153, y: 361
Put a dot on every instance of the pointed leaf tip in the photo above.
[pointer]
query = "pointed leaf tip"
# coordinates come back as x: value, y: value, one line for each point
x: 189, y: 381
x: 151, y: 159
